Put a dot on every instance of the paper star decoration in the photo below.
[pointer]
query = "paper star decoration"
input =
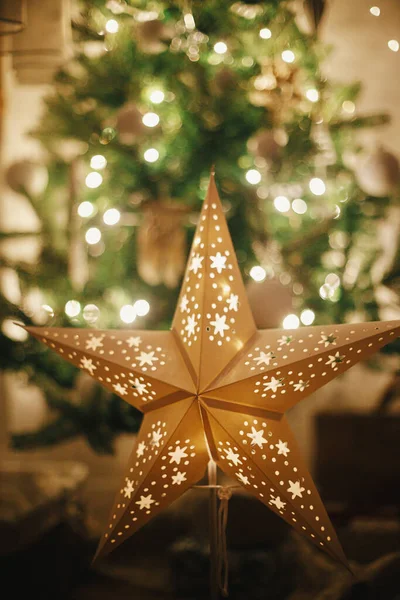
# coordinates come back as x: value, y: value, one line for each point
x: 216, y: 386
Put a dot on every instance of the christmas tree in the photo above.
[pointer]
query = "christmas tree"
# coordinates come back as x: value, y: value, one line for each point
x: 153, y: 96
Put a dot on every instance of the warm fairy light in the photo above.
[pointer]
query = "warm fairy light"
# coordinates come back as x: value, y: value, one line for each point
x: 299, y: 206
x: 188, y: 19
x: 127, y: 313
x: 253, y: 176
x: 98, y: 161
x: 112, y: 26
x: 111, y: 216
x: 375, y: 10
x: 265, y: 33
x: 151, y: 155
x: 13, y: 331
x: 282, y: 204
x: 332, y: 280
x: 72, y: 308
x: 312, y: 95
x: 48, y: 309
x: 93, y: 235
x: 151, y: 119
x: 307, y: 316
x: 326, y: 291
x: 349, y: 107
x: 258, y: 273
x: 157, y: 96
x: 220, y: 47
x: 85, y: 209
x: 288, y: 56
x: 393, y: 45
x: 93, y: 180
x: 291, y: 322
x: 141, y: 307
x: 317, y: 186
x: 91, y: 313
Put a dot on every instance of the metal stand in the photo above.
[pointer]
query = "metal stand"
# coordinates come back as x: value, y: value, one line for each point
x: 213, y: 521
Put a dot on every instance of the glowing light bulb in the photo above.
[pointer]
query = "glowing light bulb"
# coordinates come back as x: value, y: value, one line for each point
x: 317, y: 186
x: 349, y: 107
x: 288, y: 56
x: 188, y: 19
x: 72, y: 308
x: 111, y: 216
x: 299, y: 206
x: 141, y: 307
x: 91, y: 313
x: 98, y: 161
x: 258, y: 273
x: 93, y: 180
x: 307, y: 317
x: 282, y: 204
x: 375, y: 10
x: 220, y: 47
x: 112, y: 26
x: 253, y: 176
x: 85, y: 209
x: 151, y: 155
x: 151, y: 119
x: 157, y: 96
x: 393, y: 45
x: 93, y: 235
x: 291, y: 322
x: 265, y: 33
x: 312, y: 95
x: 13, y: 331
x: 127, y: 313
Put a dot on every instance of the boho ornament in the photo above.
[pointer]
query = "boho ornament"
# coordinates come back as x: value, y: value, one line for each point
x: 161, y: 244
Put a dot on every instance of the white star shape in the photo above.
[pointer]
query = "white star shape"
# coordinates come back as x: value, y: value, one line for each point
x: 335, y: 360
x: 195, y: 264
x: 157, y: 436
x: 282, y: 448
x: 285, y: 340
x: 129, y: 488
x: 177, y: 455
x: 327, y: 340
x: 178, y: 478
x: 94, y: 342
x: 219, y: 325
x: 87, y: 363
x: 243, y: 478
x: 295, y: 489
x: 264, y: 358
x: 145, y: 502
x: 147, y: 358
x: 120, y: 389
x: 301, y: 385
x: 273, y: 385
x: 140, y: 449
x: 233, y: 302
x: 277, y: 502
x: 134, y: 342
x: 191, y: 325
x: 184, y: 303
x: 257, y: 437
x: 230, y: 455
x: 218, y: 262
x: 139, y: 386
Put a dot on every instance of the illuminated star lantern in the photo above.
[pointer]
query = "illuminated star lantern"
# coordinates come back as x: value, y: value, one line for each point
x: 214, y: 386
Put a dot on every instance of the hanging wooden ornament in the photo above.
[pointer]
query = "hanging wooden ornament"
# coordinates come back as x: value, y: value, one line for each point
x: 161, y: 244
x: 215, y: 386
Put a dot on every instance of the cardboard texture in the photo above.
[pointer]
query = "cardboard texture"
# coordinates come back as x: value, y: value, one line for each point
x: 215, y: 386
